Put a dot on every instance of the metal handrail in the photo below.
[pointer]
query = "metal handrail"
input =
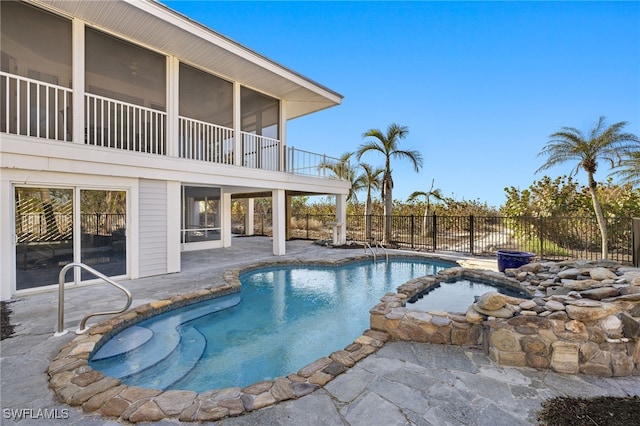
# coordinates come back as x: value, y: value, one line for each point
x: 379, y: 244
x: 82, y: 328
x: 368, y: 246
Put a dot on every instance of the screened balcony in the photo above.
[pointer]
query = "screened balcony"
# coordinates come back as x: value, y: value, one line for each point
x: 124, y: 99
x: 44, y: 111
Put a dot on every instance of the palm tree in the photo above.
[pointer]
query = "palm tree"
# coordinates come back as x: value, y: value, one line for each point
x: 602, y: 143
x: 387, y: 145
x: 435, y: 193
x: 342, y: 170
x: 370, y: 179
x: 630, y: 168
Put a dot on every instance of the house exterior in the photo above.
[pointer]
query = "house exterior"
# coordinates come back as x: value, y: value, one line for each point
x: 127, y: 128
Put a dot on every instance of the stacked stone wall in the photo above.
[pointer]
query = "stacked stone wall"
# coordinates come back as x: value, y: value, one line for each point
x: 583, y: 317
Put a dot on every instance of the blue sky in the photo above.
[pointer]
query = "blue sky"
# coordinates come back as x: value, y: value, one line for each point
x: 481, y: 85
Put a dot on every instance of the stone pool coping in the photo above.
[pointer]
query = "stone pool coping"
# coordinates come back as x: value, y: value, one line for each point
x: 76, y: 383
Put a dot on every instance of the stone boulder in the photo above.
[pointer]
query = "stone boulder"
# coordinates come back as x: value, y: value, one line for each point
x: 491, y: 301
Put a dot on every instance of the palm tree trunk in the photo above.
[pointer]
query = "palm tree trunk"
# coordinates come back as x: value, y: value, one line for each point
x: 388, y: 211
x: 367, y: 218
x: 602, y: 224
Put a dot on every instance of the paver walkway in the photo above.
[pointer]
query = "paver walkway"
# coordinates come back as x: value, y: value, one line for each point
x: 404, y: 383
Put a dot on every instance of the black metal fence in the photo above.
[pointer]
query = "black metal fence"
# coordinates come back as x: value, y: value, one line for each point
x: 553, y: 238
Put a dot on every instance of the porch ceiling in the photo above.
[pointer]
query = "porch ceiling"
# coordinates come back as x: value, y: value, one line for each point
x: 158, y: 27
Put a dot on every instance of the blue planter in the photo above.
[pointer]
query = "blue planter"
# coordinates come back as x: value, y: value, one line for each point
x: 513, y: 259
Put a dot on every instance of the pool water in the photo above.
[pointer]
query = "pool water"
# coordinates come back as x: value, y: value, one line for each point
x: 288, y: 317
x: 458, y: 296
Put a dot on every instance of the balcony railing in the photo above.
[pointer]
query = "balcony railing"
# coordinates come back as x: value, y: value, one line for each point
x: 34, y: 108
x: 125, y: 126
x: 205, y: 141
x: 30, y: 107
x: 259, y: 152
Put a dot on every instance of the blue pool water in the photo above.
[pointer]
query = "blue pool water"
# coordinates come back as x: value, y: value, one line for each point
x: 458, y: 296
x: 284, y: 318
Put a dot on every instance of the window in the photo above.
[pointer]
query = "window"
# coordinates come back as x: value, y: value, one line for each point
x: 123, y: 71
x: 260, y: 114
x: 35, y: 43
x: 200, y: 214
x: 205, y: 97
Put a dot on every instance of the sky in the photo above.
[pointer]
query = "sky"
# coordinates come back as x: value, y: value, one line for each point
x: 480, y: 85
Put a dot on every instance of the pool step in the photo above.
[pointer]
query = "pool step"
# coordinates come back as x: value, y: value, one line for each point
x: 175, y: 366
x: 135, y: 352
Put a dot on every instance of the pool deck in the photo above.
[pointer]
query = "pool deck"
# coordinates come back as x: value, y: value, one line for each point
x: 404, y: 383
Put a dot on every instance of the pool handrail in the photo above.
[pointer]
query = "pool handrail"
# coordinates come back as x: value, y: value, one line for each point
x: 368, y: 246
x: 384, y: 250
x: 82, y: 328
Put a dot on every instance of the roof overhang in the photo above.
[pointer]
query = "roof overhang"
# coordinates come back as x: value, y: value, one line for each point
x: 156, y: 26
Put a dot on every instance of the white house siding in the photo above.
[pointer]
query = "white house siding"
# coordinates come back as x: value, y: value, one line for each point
x: 152, y: 216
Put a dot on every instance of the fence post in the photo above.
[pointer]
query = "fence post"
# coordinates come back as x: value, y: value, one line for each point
x: 541, y: 236
x: 434, y: 233
x: 635, y: 229
x: 412, y: 229
x: 307, y: 226
x: 471, y: 236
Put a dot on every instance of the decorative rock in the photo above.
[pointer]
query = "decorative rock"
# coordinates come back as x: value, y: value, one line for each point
x: 575, y: 326
x: 569, y: 273
x: 582, y: 313
x: 528, y: 304
x: 611, y: 325
x: 282, y: 389
x: 491, y: 301
x: 317, y: 365
x: 630, y: 325
x: 147, y: 412
x: 174, y: 402
x: 558, y: 315
x: 343, y: 358
x: 473, y: 316
x: 500, y: 313
x: 564, y: 357
x: 600, y: 293
x: 586, y: 303
x: 505, y: 341
x: 554, y: 306
x: 601, y: 274
x: 580, y: 285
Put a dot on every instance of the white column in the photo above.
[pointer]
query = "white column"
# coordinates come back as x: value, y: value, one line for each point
x: 341, y: 219
x: 77, y: 76
x: 173, y: 106
x: 226, y: 219
x: 237, y: 124
x: 248, y: 219
x: 7, y: 241
x: 283, y: 135
x: 174, y: 190
x: 279, y: 214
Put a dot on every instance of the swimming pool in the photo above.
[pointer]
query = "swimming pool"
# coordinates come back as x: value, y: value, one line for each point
x: 284, y: 318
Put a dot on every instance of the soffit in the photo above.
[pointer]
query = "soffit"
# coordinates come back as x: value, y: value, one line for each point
x: 154, y: 25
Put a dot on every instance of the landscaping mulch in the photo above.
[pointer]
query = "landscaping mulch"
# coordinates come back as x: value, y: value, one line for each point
x: 600, y: 411
x: 7, y: 327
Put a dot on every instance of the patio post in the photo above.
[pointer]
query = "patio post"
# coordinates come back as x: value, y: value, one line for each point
x: 635, y: 229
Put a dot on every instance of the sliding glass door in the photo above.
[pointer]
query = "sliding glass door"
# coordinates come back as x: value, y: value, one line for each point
x: 50, y: 232
x: 43, y: 234
x: 103, y: 225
